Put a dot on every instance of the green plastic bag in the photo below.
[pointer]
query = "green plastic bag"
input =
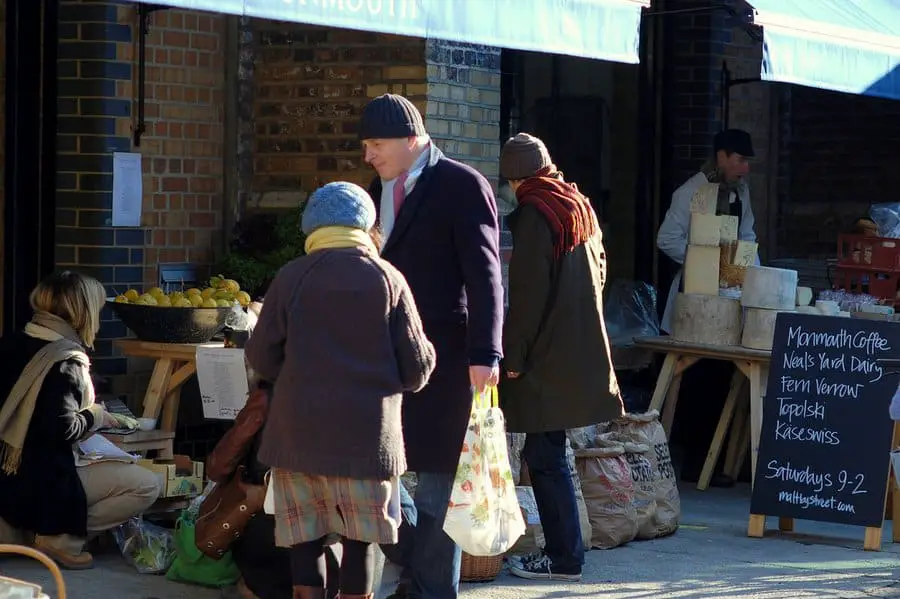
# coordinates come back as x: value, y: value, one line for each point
x: 193, y: 567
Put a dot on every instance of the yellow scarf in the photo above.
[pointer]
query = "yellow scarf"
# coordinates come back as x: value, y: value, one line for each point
x: 328, y: 238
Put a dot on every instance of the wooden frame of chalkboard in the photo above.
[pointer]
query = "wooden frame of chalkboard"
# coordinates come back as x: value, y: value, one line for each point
x: 826, y: 438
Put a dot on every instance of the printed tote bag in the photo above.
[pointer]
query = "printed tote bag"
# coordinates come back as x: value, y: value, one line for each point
x: 484, y: 517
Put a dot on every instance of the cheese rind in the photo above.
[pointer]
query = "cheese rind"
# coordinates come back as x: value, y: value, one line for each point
x: 804, y: 296
x: 729, y: 231
x: 705, y: 199
x: 706, y: 229
x: 706, y: 319
x: 701, y: 270
x: 759, y: 328
x: 769, y: 288
x: 745, y: 253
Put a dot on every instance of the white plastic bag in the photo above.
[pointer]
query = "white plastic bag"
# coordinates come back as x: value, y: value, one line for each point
x: 484, y: 517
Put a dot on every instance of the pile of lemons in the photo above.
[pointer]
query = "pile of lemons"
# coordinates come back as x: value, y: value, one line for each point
x: 221, y: 293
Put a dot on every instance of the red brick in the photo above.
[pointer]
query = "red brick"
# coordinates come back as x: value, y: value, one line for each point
x: 205, y: 220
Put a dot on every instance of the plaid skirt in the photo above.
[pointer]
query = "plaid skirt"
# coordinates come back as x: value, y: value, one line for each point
x: 309, y: 507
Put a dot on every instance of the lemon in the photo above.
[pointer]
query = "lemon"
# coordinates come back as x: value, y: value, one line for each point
x: 223, y: 294
x: 163, y: 301
x: 243, y: 298
x: 209, y: 303
x: 216, y: 282
x: 146, y: 300
x: 230, y: 285
x: 183, y: 303
x: 132, y: 295
x: 121, y: 299
x: 195, y: 300
x: 156, y: 292
x: 175, y: 296
x: 192, y: 291
x: 224, y: 303
x: 207, y: 293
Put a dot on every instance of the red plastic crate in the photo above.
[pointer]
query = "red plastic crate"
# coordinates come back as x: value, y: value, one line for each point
x: 883, y: 285
x: 860, y: 251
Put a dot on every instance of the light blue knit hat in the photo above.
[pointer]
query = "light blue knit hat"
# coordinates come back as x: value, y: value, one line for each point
x: 339, y: 204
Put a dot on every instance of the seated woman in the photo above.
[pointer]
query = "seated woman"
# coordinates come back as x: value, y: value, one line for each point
x: 46, y: 407
x: 341, y: 338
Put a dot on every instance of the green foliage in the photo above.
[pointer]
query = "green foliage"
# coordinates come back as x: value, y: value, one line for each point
x: 256, y: 256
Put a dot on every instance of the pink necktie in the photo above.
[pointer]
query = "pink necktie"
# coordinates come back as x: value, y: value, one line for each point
x: 399, y: 192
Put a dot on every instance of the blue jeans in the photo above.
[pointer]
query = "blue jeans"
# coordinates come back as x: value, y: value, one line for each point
x: 430, y: 559
x: 554, y: 492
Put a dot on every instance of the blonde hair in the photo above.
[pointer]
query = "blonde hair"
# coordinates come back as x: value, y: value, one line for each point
x: 73, y: 297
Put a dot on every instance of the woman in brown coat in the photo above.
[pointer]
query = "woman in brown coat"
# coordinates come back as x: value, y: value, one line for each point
x: 341, y: 338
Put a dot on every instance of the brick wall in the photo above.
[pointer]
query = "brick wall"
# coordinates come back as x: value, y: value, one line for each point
x: 692, y: 111
x: 751, y: 110
x: 840, y: 151
x: 310, y: 84
x: 463, y: 110
x: 184, y: 142
x: 182, y: 149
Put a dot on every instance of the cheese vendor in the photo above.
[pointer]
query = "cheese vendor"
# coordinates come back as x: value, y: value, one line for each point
x: 729, y: 166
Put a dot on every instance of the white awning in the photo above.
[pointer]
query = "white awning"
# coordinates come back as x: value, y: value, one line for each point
x: 602, y: 29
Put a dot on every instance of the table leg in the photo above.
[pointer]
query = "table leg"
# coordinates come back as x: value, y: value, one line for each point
x: 158, y: 387
x: 666, y: 374
x: 715, y: 447
x: 759, y: 376
x: 895, y: 490
x: 737, y: 438
x: 668, y: 415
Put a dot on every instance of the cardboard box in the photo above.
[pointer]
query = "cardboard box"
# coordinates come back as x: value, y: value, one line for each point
x: 179, y: 477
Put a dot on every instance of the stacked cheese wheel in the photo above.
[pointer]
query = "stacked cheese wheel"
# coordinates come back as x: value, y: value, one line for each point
x: 766, y: 292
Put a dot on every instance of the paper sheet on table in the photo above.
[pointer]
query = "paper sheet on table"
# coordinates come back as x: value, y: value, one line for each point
x: 127, y: 189
x: 97, y: 448
x: 222, y: 376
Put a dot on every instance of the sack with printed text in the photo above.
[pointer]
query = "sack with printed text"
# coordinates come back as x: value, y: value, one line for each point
x: 484, y: 517
x: 606, y: 482
x: 646, y: 429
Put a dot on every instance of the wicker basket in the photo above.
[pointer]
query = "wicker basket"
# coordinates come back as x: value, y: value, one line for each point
x: 480, y: 569
x: 46, y: 561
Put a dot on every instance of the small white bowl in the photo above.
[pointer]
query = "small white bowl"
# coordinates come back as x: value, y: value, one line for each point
x: 147, y: 424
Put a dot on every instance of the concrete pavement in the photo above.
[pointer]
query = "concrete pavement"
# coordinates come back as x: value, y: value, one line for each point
x: 709, y: 557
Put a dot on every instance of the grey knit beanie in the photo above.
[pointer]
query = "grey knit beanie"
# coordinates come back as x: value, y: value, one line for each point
x: 391, y: 116
x: 339, y: 204
x: 522, y: 156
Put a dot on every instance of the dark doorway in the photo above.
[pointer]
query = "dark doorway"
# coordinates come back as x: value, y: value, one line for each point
x: 30, y: 161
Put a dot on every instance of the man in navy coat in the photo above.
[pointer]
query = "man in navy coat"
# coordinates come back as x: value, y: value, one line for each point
x: 439, y: 222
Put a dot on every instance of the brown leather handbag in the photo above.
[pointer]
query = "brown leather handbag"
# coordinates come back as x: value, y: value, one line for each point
x: 224, y: 514
x: 234, y: 445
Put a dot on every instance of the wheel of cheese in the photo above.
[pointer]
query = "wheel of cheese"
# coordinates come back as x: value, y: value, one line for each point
x: 769, y: 288
x: 759, y: 328
x: 706, y: 319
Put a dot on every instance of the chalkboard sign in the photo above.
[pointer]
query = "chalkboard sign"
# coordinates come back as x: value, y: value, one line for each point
x: 824, y: 451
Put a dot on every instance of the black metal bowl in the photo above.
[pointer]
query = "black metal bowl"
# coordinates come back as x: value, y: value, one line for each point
x: 172, y: 325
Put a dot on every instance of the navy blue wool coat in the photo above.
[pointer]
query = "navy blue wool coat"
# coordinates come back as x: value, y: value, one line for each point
x: 446, y: 241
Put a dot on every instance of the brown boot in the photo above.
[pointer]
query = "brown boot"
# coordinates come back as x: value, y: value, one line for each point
x: 309, y: 592
x: 65, y: 551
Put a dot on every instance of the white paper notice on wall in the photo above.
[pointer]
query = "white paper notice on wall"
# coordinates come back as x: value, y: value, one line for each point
x: 222, y: 377
x: 127, y: 189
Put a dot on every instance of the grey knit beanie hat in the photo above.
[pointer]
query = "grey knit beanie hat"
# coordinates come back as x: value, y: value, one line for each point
x: 339, y: 204
x: 522, y: 156
x: 391, y: 116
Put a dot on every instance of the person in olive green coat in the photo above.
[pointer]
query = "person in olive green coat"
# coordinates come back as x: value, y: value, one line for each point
x: 558, y: 371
